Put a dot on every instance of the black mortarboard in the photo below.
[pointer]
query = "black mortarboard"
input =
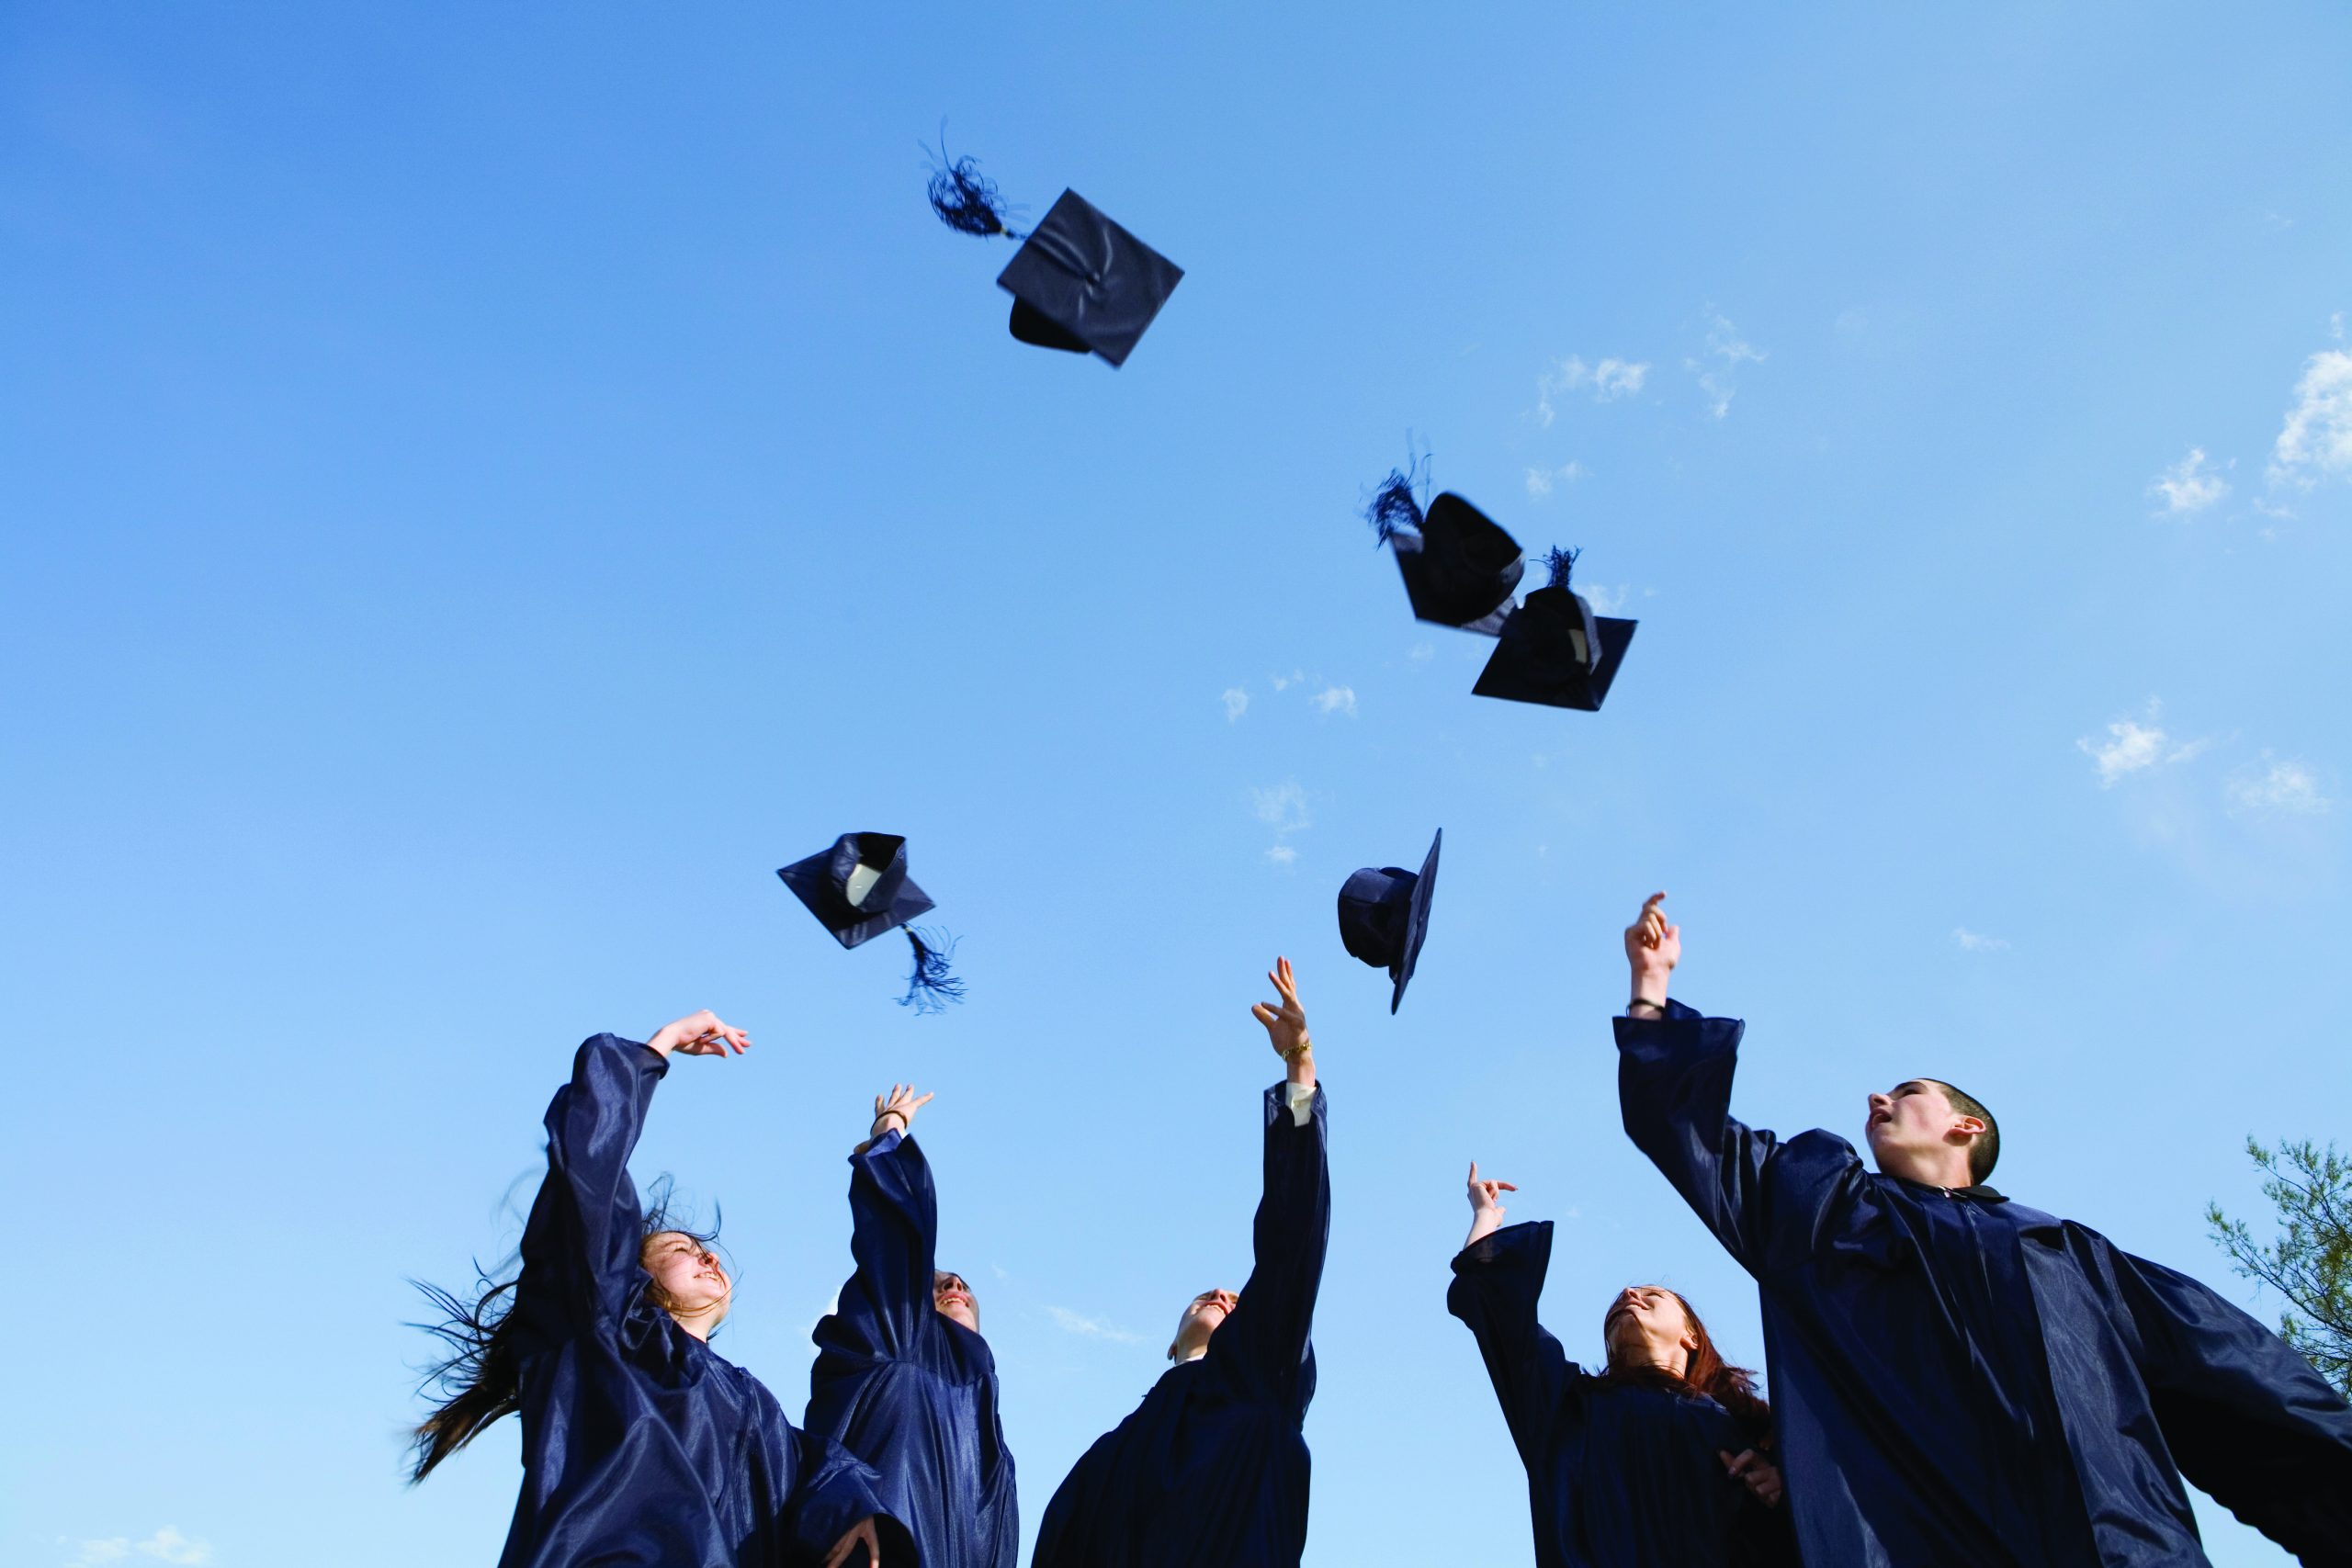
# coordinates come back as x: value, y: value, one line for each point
x: 1081, y: 282
x: 859, y: 889
x: 1384, y: 915
x: 1554, y: 649
x: 1459, y: 565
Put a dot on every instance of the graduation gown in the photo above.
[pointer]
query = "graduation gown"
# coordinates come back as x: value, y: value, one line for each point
x: 909, y: 1391
x: 1958, y: 1379
x: 641, y: 1444
x: 1211, y: 1470
x: 1619, y: 1475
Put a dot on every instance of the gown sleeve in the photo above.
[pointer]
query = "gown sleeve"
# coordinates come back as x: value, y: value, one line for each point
x: 1262, y: 1350
x: 582, y: 1245
x: 1497, y: 1280
x: 1674, y: 1091
x: 887, y: 1304
x: 2247, y: 1419
x: 837, y: 1489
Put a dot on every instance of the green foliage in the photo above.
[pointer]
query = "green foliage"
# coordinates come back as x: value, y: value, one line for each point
x: 2310, y: 1261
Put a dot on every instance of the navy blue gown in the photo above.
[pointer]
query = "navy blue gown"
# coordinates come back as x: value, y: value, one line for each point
x: 909, y: 1391
x: 1619, y: 1475
x: 1958, y: 1378
x: 642, y: 1446
x: 1211, y: 1469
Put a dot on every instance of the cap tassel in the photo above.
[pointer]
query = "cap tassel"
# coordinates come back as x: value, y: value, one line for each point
x: 1560, y: 561
x: 932, y: 986
x: 966, y: 199
x: 1393, y: 509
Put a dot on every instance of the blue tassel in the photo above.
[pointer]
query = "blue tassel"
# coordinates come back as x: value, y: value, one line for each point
x: 932, y: 986
x: 1560, y: 561
x: 1393, y: 508
x: 965, y: 198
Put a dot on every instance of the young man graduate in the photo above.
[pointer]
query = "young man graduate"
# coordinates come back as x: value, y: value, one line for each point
x: 1212, y: 1468
x: 903, y: 1379
x: 1958, y: 1378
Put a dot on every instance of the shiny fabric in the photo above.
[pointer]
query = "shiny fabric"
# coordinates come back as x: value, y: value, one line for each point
x: 1081, y: 282
x: 1966, y: 1381
x: 641, y: 1444
x: 911, y: 1392
x: 1618, y: 1475
x: 1211, y: 1469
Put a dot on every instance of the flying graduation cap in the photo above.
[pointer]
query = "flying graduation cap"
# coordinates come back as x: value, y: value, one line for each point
x: 1459, y: 565
x: 1079, y: 282
x: 1554, y: 649
x: 859, y: 889
x: 1384, y: 915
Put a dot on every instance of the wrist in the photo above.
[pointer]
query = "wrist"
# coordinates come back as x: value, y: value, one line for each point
x: 1650, y: 987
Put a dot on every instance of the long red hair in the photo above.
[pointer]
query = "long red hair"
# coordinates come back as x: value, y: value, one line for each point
x: 1707, y: 1373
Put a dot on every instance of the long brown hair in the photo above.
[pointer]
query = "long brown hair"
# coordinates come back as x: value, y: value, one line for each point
x: 480, y: 1377
x: 1707, y: 1373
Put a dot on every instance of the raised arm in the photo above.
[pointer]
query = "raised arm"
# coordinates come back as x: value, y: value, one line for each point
x: 2247, y: 1419
x: 1674, y: 1072
x: 887, y: 1306
x: 1263, y: 1344
x: 1497, y: 1278
x: 580, y: 1246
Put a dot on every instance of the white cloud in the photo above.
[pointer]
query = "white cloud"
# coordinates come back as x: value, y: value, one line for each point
x: 1282, y: 854
x: 1727, y: 351
x: 1541, y: 480
x: 166, y: 1545
x: 1282, y: 808
x: 1977, y: 941
x: 2277, y: 787
x: 1605, y: 600
x: 1421, y: 652
x: 2129, y: 747
x: 1090, y: 1327
x: 1609, y: 380
x: 2316, y: 440
x: 1284, y: 682
x: 2189, y: 485
x: 1337, y: 699
x: 2335, y: 326
x: 1237, y: 703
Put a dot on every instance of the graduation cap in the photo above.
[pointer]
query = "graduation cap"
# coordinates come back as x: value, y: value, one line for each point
x: 1384, y: 915
x: 1079, y: 282
x: 859, y: 889
x: 1554, y: 649
x: 1459, y: 565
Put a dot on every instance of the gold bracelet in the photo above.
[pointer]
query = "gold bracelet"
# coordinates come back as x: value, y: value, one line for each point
x: 1292, y: 1053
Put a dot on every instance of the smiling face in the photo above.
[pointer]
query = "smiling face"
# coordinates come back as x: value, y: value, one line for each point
x: 1647, y: 1325
x: 688, y: 1276
x: 1913, y: 1126
x: 1201, y: 1318
x: 954, y: 1299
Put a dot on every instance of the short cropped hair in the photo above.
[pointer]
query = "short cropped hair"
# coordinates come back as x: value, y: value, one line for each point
x: 1986, y: 1150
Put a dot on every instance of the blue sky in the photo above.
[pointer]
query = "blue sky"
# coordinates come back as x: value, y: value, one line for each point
x: 485, y: 490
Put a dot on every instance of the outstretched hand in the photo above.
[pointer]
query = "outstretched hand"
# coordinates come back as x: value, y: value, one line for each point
x: 702, y: 1033
x: 862, y: 1533
x: 1653, y: 946
x: 1759, y: 1474
x: 1486, y: 1210
x: 1286, y: 1024
x: 900, y: 1103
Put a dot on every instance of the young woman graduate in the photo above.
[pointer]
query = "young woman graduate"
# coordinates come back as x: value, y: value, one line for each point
x: 1958, y: 1379
x: 903, y: 1379
x: 1212, y: 1468
x: 1653, y: 1463
x: 640, y: 1445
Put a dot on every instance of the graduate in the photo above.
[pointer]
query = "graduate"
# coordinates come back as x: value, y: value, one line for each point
x: 903, y: 1379
x: 641, y: 1445
x: 1211, y: 1469
x: 1656, y: 1462
x: 1958, y: 1378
